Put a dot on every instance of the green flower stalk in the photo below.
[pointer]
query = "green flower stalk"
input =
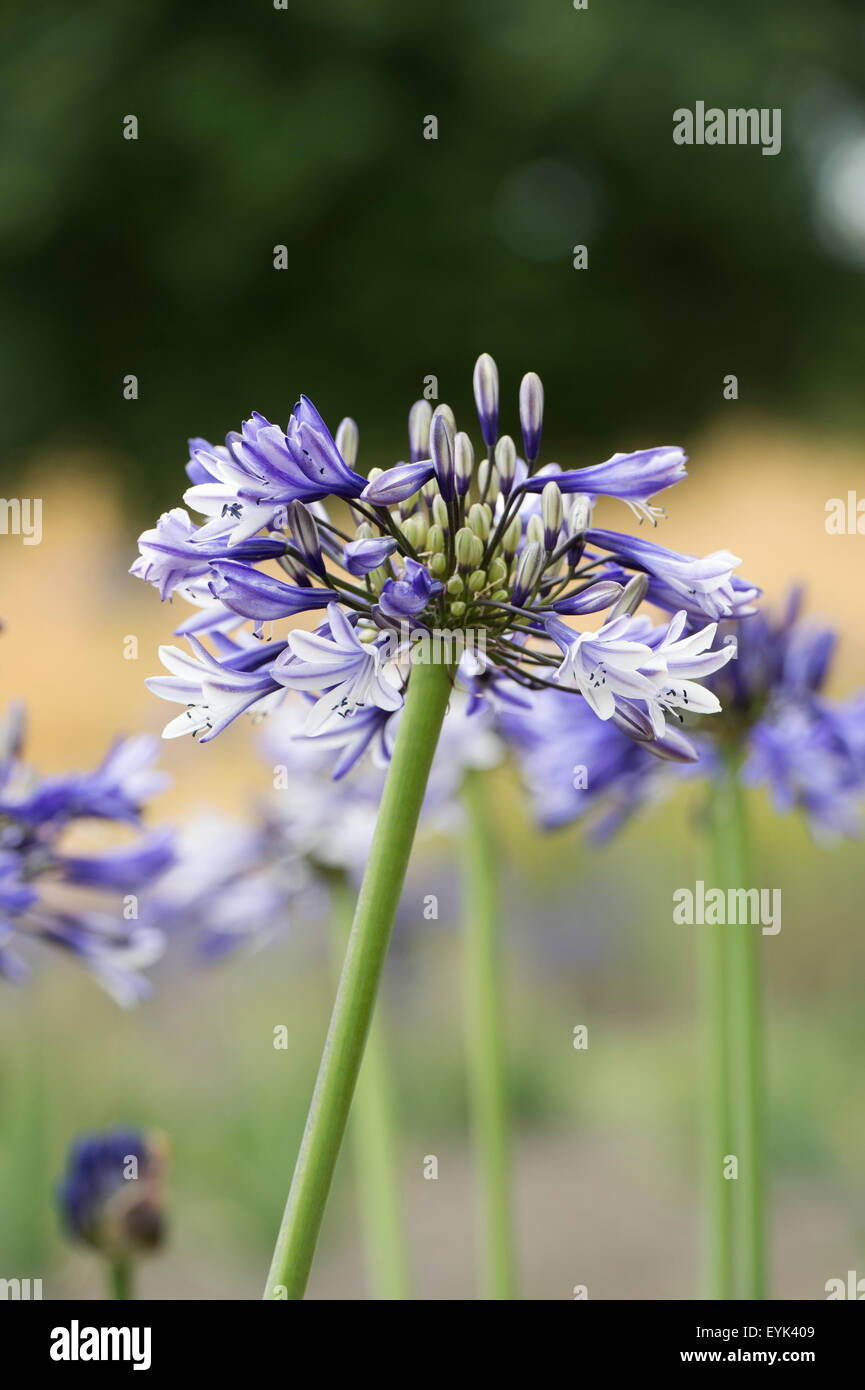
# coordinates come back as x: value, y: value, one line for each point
x: 485, y: 1035
x: 744, y: 1035
x: 423, y: 713
x: 375, y: 1145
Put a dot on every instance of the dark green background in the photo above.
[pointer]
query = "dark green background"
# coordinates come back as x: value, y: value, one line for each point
x: 304, y: 127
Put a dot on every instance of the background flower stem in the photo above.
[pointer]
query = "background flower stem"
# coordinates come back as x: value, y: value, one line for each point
x: 746, y: 1045
x: 485, y: 1035
x: 425, y: 704
x: 717, y: 1232
x: 375, y: 1145
x: 120, y: 1279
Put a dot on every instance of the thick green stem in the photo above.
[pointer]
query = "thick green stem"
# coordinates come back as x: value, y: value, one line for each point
x: 373, y: 1136
x: 745, y: 1042
x: 420, y: 725
x: 485, y: 1034
x: 120, y: 1279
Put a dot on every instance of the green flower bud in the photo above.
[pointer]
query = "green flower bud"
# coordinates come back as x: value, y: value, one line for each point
x: 552, y: 512
x: 458, y: 609
x: 364, y: 532
x: 498, y: 570
x: 630, y: 598
x: 438, y: 566
x: 535, y: 529
x: 463, y: 543
x: 477, y: 551
x: 455, y: 586
x: 414, y: 528
x: 464, y: 463
x: 435, y: 540
x: 346, y: 440
x: 477, y: 581
x: 530, y: 567
x: 480, y: 520
x: 501, y: 596
x: 512, y: 537
x: 506, y: 463
x: 440, y: 512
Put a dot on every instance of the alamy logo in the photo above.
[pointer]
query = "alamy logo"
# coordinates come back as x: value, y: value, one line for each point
x: 854, y: 1288
x: 21, y: 516
x: 737, y: 907
x: 23, y: 1289
x: 736, y: 126
x: 76, y: 1343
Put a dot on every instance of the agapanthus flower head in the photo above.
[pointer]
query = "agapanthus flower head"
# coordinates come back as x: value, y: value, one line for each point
x: 111, y: 1195
x: 805, y: 748
x: 499, y: 556
x: 68, y: 896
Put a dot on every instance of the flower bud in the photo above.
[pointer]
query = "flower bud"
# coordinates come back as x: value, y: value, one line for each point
x: 506, y: 463
x: 441, y: 446
x: 498, y: 570
x: 455, y: 586
x: 418, y: 430
x: 579, y: 514
x: 347, y: 440
x: 477, y: 551
x: 463, y: 548
x: 552, y: 512
x: 301, y: 524
x: 531, y: 415
x: 535, y: 529
x: 477, y: 581
x: 111, y: 1193
x: 530, y: 567
x: 435, y: 540
x: 512, y: 537
x: 630, y: 598
x: 480, y: 519
x: 464, y: 463
x: 440, y: 512
x: 414, y: 528
x: 458, y: 609
x: 438, y: 565
x: 486, y: 388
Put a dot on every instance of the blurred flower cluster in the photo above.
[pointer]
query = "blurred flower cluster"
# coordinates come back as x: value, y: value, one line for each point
x: 238, y: 883
x: 806, y: 749
x: 51, y: 890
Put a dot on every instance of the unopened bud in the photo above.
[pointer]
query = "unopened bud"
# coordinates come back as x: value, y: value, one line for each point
x: 464, y: 463
x: 512, y: 537
x: 480, y: 519
x: 418, y: 430
x: 529, y: 569
x: 506, y: 463
x: 440, y: 512
x: 347, y: 440
x: 477, y: 581
x: 531, y: 415
x: 435, y: 540
x: 630, y: 598
x: 486, y: 388
x: 301, y: 524
x: 463, y: 548
x: 442, y: 454
x: 552, y: 512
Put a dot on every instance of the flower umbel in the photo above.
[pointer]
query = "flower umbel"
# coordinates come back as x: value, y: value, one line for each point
x: 500, y: 556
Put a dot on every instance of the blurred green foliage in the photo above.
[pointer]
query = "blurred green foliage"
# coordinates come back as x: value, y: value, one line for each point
x: 304, y: 127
